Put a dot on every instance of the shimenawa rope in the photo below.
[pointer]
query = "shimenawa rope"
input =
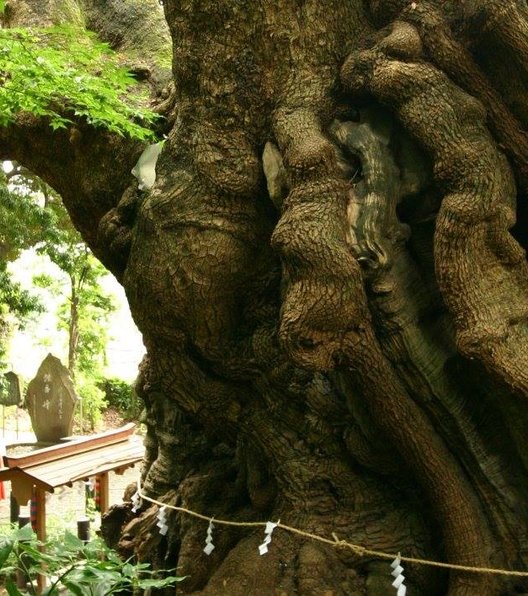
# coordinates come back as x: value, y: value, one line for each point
x: 361, y: 551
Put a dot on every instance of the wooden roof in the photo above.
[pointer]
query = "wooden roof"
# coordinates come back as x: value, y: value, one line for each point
x: 74, y: 460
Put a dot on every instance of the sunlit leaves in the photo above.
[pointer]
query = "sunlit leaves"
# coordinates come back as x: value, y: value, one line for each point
x: 15, y: 299
x: 80, y: 569
x: 23, y: 223
x: 33, y: 216
x: 63, y: 72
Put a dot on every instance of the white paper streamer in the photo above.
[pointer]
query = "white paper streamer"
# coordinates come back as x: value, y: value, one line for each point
x: 397, y: 573
x: 136, y: 502
x: 270, y: 526
x: 162, y: 520
x: 145, y: 168
x: 209, y: 546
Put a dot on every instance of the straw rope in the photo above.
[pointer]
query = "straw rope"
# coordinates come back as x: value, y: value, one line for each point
x: 361, y: 551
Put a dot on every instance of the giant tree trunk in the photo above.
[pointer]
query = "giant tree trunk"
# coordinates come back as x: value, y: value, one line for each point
x: 334, y: 309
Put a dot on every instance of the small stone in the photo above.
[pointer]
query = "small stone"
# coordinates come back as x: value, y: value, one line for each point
x: 12, y: 394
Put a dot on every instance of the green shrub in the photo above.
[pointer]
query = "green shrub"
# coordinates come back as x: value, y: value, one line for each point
x: 91, y: 404
x: 121, y: 395
x: 71, y: 565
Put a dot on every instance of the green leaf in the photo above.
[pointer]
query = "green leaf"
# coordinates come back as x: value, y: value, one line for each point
x: 11, y: 588
x: 25, y: 534
x: 73, y: 587
x: 69, y: 560
x: 72, y: 541
x: 6, y: 546
x: 129, y: 570
x: 159, y: 583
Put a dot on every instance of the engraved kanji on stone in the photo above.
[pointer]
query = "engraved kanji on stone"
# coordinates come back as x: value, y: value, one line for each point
x: 51, y: 401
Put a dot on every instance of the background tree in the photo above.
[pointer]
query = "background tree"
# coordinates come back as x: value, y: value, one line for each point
x: 34, y: 217
x: 334, y: 308
x: 21, y: 223
x: 83, y: 314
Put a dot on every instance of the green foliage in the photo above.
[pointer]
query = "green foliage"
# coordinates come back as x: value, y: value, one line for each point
x: 20, y: 226
x: 32, y: 215
x: 14, y: 299
x: 84, y: 315
x: 93, y: 307
x: 16, y: 304
x: 92, y: 402
x: 121, y: 395
x: 81, y: 569
x: 86, y: 308
x: 63, y: 71
x: 23, y: 222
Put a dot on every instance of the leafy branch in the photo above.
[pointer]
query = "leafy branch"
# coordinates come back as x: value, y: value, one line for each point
x: 83, y: 569
x: 63, y: 72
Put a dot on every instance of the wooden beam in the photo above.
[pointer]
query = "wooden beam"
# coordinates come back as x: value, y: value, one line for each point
x: 41, y: 513
x: 21, y: 487
x: 82, y: 445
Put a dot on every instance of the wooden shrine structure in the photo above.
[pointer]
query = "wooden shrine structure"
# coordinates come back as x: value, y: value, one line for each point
x: 73, y: 459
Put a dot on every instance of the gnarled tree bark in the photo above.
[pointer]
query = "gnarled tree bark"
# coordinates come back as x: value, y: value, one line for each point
x: 333, y: 302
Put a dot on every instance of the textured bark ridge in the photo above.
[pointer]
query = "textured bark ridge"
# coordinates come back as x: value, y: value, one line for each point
x: 332, y: 300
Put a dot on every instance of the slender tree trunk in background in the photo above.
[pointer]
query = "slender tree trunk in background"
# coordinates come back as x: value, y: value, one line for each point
x: 73, y: 327
x: 333, y: 305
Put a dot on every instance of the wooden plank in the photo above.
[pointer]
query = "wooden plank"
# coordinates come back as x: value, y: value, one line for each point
x: 88, y: 464
x: 75, y: 446
x: 50, y: 475
x: 109, y: 454
x: 41, y: 513
x: 21, y: 488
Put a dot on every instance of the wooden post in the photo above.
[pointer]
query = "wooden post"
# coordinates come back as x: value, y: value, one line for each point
x: 14, y: 508
x: 41, y: 530
x: 22, y: 579
x: 83, y: 529
x: 104, y: 492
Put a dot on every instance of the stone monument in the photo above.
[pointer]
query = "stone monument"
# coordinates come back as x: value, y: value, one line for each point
x: 51, y: 401
x: 12, y: 394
